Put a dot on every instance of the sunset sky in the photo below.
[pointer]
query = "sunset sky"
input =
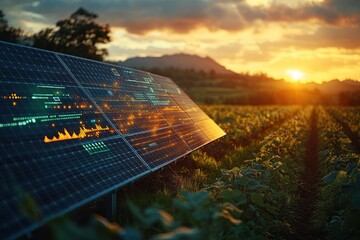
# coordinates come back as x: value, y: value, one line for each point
x: 300, y: 40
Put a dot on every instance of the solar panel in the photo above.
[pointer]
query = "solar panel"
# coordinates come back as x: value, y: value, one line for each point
x: 192, y: 135
x: 211, y: 130
x: 159, y: 147
x: 72, y: 130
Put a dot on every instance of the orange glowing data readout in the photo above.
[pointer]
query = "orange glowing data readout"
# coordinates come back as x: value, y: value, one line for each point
x: 119, y: 123
x: 83, y: 133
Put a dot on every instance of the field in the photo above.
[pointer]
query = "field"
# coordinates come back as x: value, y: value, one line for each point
x: 280, y: 173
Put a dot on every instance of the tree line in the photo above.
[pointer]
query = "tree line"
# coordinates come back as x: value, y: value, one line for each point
x: 78, y: 35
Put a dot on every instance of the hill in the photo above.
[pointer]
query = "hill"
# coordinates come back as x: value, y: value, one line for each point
x: 206, y: 81
x: 181, y: 61
x: 335, y: 86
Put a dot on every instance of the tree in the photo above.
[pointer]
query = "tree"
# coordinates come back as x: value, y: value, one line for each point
x: 8, y: 34
x: 77, y: 35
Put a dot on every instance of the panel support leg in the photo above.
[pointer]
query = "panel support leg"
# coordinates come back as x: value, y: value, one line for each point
x: 110, y: 206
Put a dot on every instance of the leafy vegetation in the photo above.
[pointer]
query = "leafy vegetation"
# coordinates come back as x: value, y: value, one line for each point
x: 350, y: 116
x: 244, y: 125
x: 251, y: 191
x: 338, y: 207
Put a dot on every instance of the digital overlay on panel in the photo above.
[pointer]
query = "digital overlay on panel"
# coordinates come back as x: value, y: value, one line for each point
x: 73, y: 130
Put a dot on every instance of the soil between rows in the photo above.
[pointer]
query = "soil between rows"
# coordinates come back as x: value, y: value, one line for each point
x: 310, y: 178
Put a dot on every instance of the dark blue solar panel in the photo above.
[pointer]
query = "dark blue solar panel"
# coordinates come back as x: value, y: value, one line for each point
x: 159, y: 92
x: 211, y: 130
x: 118, y: 94
x: 28, y: 65
x: 159, y: 147
x: 181, y: 99
x: 129, y: 112
x: 192, y: 135
x: 167, y: 84
x: 58, y: 179
x: 72, y: 130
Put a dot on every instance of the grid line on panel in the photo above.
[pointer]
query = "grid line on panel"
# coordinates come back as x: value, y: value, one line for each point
x: 105, y: 116
x: 161, y: 146
x: 89, y: 171
x: 124, y: 102
x: 158, y: 111
x: 65, y: 154
x: 170, y: 110
x: 130, y: 114
x: 34, y: 65
x: 192, y: 135
x: 182, y: 99
x: 169, y: 123
x: 37, y: 165
x: 213, y: 131
x: 44, y: 220
x: 181, y: 138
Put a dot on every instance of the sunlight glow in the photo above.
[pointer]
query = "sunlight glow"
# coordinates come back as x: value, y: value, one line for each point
x: 295, y: 75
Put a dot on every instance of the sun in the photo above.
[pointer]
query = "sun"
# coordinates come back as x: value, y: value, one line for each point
x: 295, y: 75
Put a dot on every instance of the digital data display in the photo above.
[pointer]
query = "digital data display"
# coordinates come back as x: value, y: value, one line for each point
x: 72, y: 130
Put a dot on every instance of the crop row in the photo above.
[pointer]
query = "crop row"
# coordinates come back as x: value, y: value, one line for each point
x: 246, y: 127
x: 350, y: 116
x: 244, y: 124
x: 253, y: 197
x: 254, y: 200
x: 338, y: 207
x: 265, y: 187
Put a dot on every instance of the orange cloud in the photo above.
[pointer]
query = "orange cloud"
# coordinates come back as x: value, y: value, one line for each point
x: 142, y: 16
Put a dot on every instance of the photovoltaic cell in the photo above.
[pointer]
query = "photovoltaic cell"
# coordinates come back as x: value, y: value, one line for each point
x: 72, y: 130
x: 56, y: 180
x: 192, y: 135
x: 184, y: 108
x: 119, y: 95
x: 188, y: 106
x: 159, y: 147
x: 31, y: 66
x: 129, y: 113
x: 211, y: 130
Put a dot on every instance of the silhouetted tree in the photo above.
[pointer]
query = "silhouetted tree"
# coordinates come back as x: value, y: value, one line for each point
x: 8, y: 34
x: 349, y: 98
x: 77, y: 35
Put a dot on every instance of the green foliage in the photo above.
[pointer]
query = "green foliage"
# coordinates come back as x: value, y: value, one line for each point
x: 205, y: 161
x: 243, y: 124
x: 350, y: 115
x: 251, y: 192
x: 77, y: 35
x: 264, y: 187
x: 194, y: 217
x: 96, y: 228
x: 338, y: 204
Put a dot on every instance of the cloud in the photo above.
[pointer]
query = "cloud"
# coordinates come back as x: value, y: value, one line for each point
x: 184, y: 16
x: 142, y: 16
x: 328, y: 36
x: 333, y: 12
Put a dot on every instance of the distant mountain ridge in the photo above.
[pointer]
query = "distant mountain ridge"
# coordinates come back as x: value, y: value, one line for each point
x: 187, y: 61
x: 335, y: 86
x: 181, y: 60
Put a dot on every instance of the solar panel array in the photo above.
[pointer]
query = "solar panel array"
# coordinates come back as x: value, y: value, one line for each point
x: 73, y: 129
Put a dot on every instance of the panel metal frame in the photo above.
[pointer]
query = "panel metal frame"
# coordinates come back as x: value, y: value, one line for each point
x: 103, y: 192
